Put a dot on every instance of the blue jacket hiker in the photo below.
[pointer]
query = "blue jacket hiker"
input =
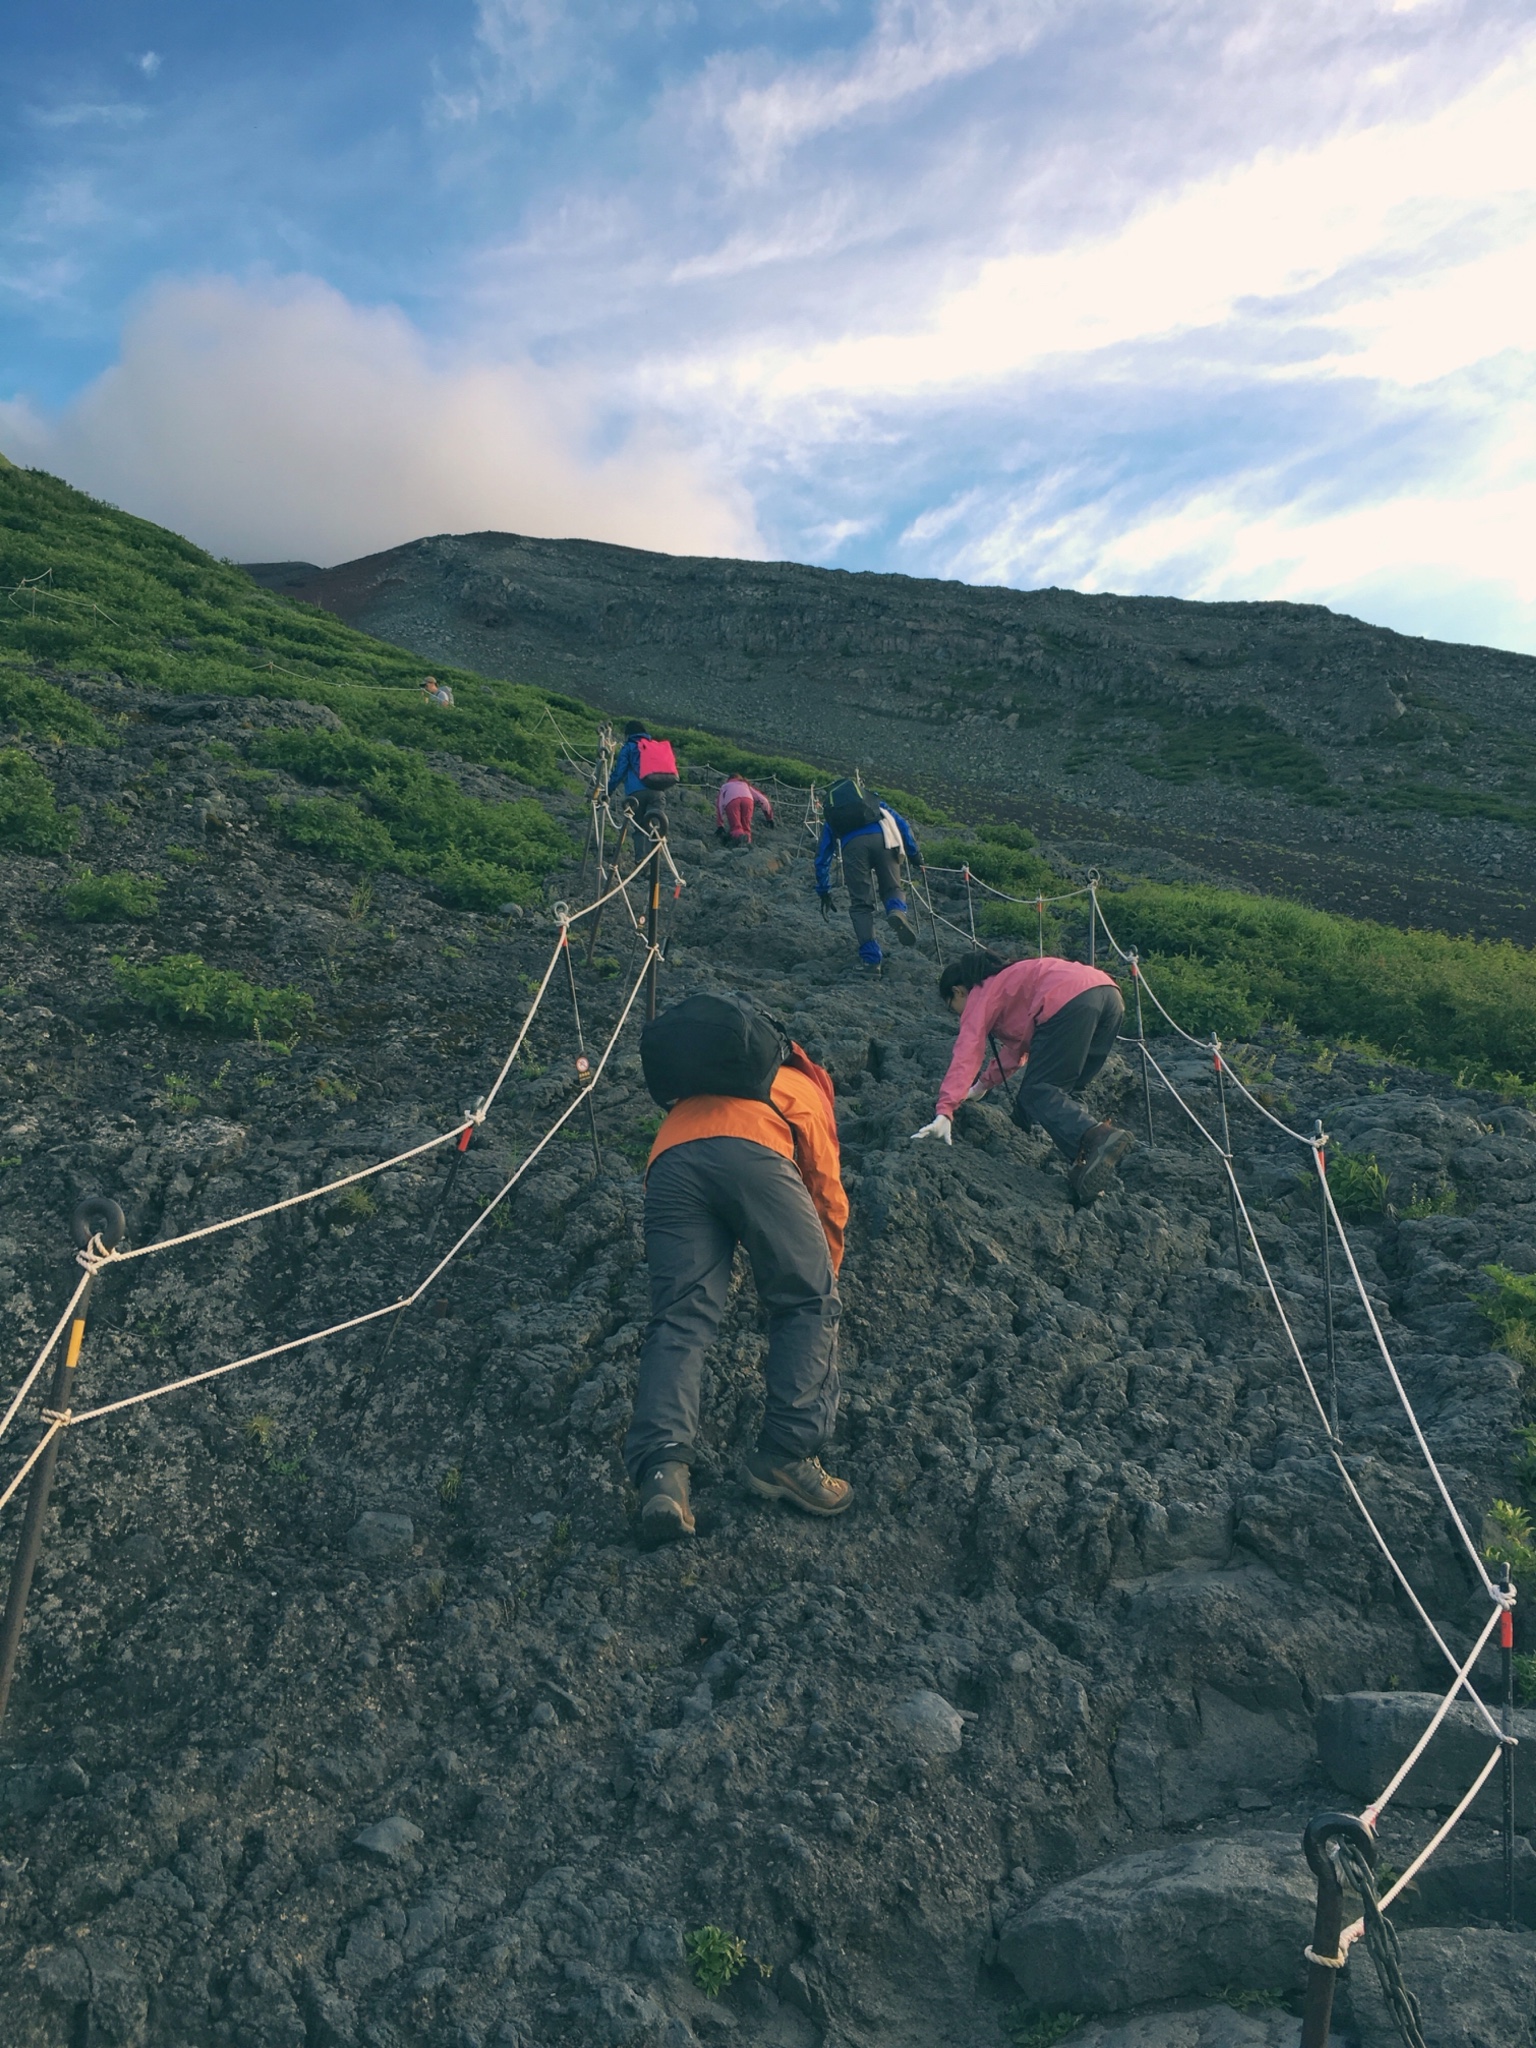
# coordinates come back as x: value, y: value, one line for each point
x: 626, y: 769
x: 871, y: 836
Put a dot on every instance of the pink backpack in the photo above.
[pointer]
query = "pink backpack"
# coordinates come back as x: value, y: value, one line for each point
x: 656, y: 764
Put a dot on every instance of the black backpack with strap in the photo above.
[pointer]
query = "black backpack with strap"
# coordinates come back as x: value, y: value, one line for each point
x: 711, y: 1045
x: 849, y: 809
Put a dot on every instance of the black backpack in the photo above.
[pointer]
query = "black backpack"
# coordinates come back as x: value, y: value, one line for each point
x: 848, y: 809
x: 711, y: 1045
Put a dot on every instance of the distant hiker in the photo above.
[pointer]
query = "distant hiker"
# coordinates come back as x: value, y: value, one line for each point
x: 1056, y: 1019
x: 644, y: 770
x: 437, y: 693
x: 747, y: 1155
x: 736, y: 806
x: 871, y: 836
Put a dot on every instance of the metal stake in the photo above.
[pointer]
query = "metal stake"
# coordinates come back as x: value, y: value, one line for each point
x: 1328, y: 1923
x: 652, y: 913
x: 1141, y: 1040
x: 1093, y: 920
x: 1507, y: 1651
x: 1226, y: 1146
x: 96, y: 1219
x: 1319, y: 1142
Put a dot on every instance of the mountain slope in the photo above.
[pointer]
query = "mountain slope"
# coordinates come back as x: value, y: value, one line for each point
x: 1271, y: 744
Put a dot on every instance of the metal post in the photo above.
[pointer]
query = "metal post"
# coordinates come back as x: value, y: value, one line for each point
x: 1141, y: 1040
x: 970, y: 908
x: 1507, y: 1650
x: 652, y: 914
x: 1319, y: 1142
x: 583, y: 1064
x: 1040, y: 926
x: 1328, y: 1922
x: 1093, y: 922
x: 1226, y: 1146
x: 95, y: 1218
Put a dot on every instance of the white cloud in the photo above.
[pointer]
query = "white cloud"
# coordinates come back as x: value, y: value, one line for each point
x: 149, y: 63
x: 281, y: 421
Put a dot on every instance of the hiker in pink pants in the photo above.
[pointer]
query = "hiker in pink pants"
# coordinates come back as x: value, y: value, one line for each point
x: 735, y: 808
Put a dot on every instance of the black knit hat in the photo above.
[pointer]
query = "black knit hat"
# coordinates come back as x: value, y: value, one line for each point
x: 637, y: 730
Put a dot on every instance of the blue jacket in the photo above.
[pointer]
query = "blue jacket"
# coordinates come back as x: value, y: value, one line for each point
x: 626, y: 768
x: 830, y: 841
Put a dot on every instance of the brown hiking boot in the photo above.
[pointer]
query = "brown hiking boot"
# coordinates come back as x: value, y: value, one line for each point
x: 902, y: 926
x: 1098, y: 1155
x: 664, y: 1511
x: 776, y: 1475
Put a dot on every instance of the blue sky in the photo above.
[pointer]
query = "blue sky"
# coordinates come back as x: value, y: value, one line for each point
x: 1222, y: 298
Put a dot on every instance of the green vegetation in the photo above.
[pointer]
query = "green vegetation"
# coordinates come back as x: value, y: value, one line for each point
x: 183, y: 989
x: 30, y: 820
x: 94, y: 899
x: 176, y: 1094
x: 714, y: 1957
x: 1358, y: 1185
x: 1508, y: 1538
x: 1511, y: 1308
x: 1241, y: 745
x: 398, y: 813
x: 1233, y: 964
x: 1525, y: 1678
x: 44, y: 711
x: 353, y: 1205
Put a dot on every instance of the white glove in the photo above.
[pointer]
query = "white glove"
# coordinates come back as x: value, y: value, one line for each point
x: 939, y: 1128
x: 976, y: 1089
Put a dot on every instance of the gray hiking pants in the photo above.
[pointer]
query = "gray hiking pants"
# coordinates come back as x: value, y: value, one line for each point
x: 702, y: 1200
x: 869, y: 865
x: 1065, y: 1054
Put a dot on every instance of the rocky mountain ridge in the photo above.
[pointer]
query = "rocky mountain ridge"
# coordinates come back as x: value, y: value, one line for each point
x: 1268, y: 744
x: 349, y: 1712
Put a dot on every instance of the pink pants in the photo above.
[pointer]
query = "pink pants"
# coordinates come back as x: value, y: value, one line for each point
x: 738, y: 818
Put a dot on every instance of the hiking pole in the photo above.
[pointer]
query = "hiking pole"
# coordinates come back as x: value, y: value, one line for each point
x: 98, y: 1223
x: 1013, y: 1102
x: 652, y: 913
x: 1507, y: 1654
x: 1320, y: 1154
x: 1323, y: 1959
x: 583, y: 1064
x: 1141, y: 1040
x: 1226, y: 1147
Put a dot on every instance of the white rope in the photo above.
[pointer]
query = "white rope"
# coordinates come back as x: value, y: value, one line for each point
x: 1356, y: 1928
x: 389, y: 1308
x: 1379, y: 1804
x: 54, y: 1426
x: 44, y: 1355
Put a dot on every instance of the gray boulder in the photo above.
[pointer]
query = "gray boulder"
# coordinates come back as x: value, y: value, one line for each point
x: 1476, y: 1987
x: 1362, y: 1737
x: 1192, y: 2026
x: 929, y: 1725
x: 377, y: 1536
x: 1185, y: 1922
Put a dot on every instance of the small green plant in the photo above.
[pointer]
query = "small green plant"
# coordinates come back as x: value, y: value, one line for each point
x: 1442, y: 1203
x: 450, y: 1486
x: 1525, y: 1677
x: 332, y: 1088
x: 360, y: 902
x: 264, y: 1080
x: 262, y: 1431
x: 92, y: 898
x: 183, y: 989
x: 1377, y: 1087
x: 714, y: 1958
x: 186, y: 856
x: 30, y: 820
x: 1043, y: 2029
x: 1511, y: 1309
x: 1508, y: 1538
x: 353, y: 1205
x: 221, y: 1076
x: 1242, y: 2000
x: 176, y: 1094
x: 1359, y: 1186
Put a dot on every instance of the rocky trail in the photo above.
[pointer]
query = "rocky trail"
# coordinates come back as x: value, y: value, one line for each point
x: 349, y: 1714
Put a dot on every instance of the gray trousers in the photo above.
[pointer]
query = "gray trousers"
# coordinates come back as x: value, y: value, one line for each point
x: 1065, y: 1053
x: 868, y: 865
x: 702, y: 1200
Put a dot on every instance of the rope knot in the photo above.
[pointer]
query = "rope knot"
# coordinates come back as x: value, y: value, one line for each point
x: 1325, y: 1962
x: 61, y: 1418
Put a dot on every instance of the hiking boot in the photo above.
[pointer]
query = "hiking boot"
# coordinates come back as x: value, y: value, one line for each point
x: 870, y: 954
x: 664, y: 1511
x: 1098, y: 1155
x: 902, y: 925
x: 777, y: 1475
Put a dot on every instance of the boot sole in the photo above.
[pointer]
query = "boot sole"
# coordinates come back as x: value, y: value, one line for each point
x: 767, y: 1489
x: 1093, y: 1180
x: 903, y: 931
x: 662, y: 1522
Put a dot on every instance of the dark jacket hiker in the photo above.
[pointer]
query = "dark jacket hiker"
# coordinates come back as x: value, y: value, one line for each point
x: 748, y: 1155
x: 872, y: 838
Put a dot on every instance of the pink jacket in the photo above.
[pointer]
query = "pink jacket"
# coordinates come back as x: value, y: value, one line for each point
x: 1010, y: 1007
x: 734, y: 787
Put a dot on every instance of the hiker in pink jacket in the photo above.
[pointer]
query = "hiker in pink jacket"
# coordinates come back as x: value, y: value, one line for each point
x: 1057, y: 1020
x: 736, y: 806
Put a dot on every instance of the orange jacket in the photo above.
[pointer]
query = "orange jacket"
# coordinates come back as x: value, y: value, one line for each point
x: 801, y: 1126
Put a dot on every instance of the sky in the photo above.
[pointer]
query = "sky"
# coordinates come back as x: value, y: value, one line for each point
x: 1209, y: 298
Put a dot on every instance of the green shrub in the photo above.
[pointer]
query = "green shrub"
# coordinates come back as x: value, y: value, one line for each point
x: 30, y: 820
x: 93, y: 899
x: 1525, y: 1678
x: 714, y: 1957
x: 40, y: 708
x: 1358, y: 1185
x: 1511, y: 1308
x: 1043, y: 2030
x: 1242, y: 745
x: 183, y: 989
x: 1508, y: 1538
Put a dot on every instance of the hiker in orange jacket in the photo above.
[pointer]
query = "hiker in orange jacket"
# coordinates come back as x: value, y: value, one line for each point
x: 763, y: 1172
